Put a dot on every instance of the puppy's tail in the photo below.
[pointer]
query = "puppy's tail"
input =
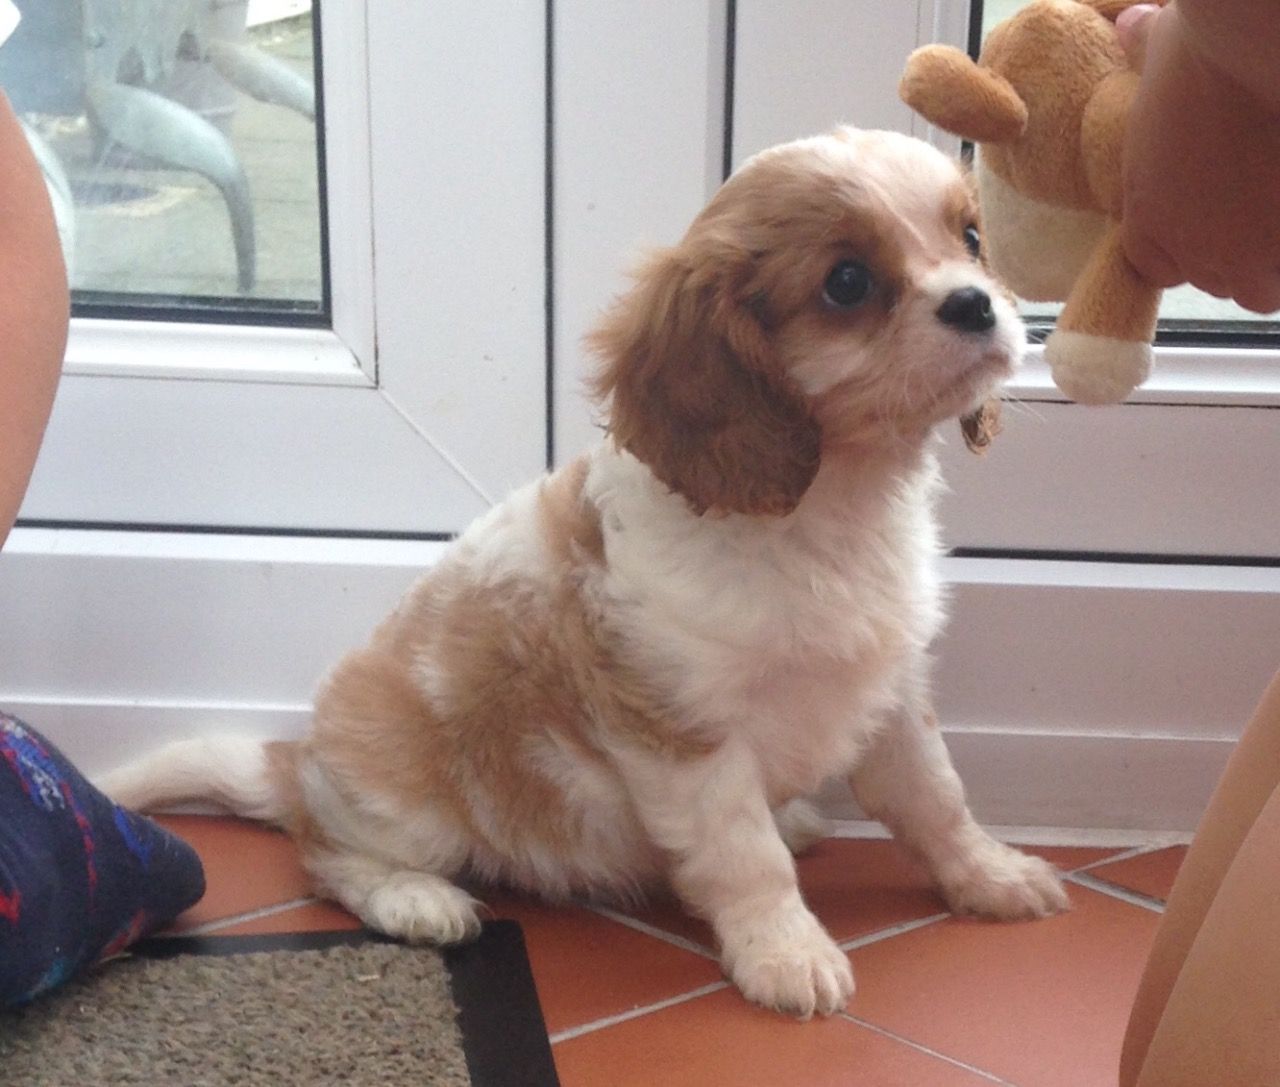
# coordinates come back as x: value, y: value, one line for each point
x: 248, y: 778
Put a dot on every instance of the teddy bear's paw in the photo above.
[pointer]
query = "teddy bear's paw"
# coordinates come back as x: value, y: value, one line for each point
x: 1097, y: 369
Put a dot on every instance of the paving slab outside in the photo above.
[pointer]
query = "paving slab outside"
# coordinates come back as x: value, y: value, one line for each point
x: 145, y: 229
x: 156, y: 231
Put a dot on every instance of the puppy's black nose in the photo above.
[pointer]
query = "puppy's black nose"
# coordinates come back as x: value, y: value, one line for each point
x: 968, y: 309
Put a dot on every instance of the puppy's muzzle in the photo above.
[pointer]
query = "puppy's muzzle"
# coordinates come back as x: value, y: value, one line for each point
x: 968, y: 309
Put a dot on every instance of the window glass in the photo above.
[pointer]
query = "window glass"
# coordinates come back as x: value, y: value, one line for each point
x: 179, y: 142
x: 1183, y: 309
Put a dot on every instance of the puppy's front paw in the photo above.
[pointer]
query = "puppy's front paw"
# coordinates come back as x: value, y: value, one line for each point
x: 994, y: 880
x: 789, y: 964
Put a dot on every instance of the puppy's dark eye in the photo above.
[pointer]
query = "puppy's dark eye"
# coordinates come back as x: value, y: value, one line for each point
x: 848, y: 284
x: 973, y: 241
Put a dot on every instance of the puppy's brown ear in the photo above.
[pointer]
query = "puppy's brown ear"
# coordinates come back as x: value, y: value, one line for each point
x: 948, y: 89
x: 697, y: 394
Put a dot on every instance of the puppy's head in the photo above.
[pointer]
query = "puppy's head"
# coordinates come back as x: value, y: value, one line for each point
x: 831, y: 294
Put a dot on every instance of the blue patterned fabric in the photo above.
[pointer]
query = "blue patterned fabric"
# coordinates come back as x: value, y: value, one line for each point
x: 80, y: 877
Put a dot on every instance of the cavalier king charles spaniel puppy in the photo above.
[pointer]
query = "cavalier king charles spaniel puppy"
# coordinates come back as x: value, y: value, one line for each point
x: 633, y: 671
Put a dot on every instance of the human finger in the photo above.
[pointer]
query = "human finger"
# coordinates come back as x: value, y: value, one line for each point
x: 1211, y: 283
x: 1261, y: 295
x: 1134, y: 27
x: 1149, y: 257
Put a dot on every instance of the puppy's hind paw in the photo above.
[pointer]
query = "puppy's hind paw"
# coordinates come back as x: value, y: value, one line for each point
x: 422, y: 908
x: 1002, y: 883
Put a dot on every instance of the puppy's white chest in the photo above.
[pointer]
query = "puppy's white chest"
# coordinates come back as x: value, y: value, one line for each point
x: 792, y: 637
x: 802, y: 680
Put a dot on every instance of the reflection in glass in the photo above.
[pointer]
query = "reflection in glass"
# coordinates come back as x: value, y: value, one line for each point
x: 179, y: 141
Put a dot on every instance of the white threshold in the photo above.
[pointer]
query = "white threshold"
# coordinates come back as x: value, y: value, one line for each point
x: 1135, y: 838
x: 1092, y: 696
x: 1213, y: 376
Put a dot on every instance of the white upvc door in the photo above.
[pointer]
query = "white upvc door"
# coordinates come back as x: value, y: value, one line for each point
x: 655, y: 102
x: 427, y: 396
x: 1188, y: 467
x: 1116, y: 599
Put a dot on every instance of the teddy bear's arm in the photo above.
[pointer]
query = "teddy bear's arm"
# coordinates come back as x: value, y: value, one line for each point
x: 949, y: 90
x: 1100, y: 350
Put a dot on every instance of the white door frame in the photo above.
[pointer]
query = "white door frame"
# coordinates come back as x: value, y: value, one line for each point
x: 436, y: 127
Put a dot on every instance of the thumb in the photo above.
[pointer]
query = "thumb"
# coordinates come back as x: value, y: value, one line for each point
x: 1134, y: 27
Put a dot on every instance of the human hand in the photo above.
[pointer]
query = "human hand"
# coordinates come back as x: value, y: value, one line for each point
x: 1201, y: 167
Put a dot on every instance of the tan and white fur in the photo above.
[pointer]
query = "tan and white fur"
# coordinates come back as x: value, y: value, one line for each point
x: 631, y: 672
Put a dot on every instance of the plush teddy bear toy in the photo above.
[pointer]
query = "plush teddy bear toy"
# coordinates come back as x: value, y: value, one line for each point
x: 1046, y: 103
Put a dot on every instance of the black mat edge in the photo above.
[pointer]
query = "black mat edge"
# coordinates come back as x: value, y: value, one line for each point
x: 170, y: 947
x: 490, y: 979
x: 494, y: 971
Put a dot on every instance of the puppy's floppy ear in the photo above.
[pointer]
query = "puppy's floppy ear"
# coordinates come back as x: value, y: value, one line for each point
x: 948, y: 89
x: 697, y: 393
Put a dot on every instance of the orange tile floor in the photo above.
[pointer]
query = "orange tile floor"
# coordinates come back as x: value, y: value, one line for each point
x: 638, y: 1001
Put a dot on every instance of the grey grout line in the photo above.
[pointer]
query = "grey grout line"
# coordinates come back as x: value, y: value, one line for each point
x: 925, y: 1049
x: 706, y: 953
x: 681, y: 942
x: 1113, y: 890
x: 889, y: 933
x: 1126, y: 855
x: 1029, y: 837
x: 636, y: 1013
x: 651, y: 930
x: 688, y: 945
x: 241, y: 918
x: 1078, y: 876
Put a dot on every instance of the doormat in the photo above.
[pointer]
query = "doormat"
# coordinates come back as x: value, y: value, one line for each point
x: 343, y: 1008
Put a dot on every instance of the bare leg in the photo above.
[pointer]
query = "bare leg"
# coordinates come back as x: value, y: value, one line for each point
x: 1219, y: 1025
x: 907, y: 782
x: 33, y: 313
x: 1226, y: 871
